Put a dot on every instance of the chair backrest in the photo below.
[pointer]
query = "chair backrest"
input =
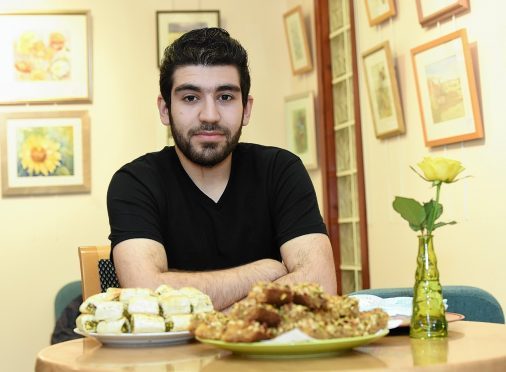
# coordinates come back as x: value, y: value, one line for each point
x: 89, y: 258
x: 65, y: 295
x: 474, y: 303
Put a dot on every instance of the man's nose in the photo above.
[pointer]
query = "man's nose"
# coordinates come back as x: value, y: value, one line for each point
x: 209, y: 112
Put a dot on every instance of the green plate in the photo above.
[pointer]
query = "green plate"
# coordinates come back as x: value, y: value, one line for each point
x: 295, y: 348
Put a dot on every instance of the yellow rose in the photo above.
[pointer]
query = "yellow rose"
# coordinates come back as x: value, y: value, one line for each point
x: 440, y: 169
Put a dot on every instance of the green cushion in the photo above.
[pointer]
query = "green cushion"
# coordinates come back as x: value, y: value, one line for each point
x: 65, y: 295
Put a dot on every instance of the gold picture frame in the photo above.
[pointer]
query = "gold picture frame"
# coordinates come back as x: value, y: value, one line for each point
x: 378, y: 11
x: 170, y: 24
x: 383, y: 92
x: 46, y: 57
x: 433, y: 11
x: 301, y: 129
x: 45, y: 153
x: 446, y: 90
x: 297, y: 41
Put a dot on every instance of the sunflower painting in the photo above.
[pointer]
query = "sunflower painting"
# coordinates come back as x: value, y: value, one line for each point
x: 45, y: 153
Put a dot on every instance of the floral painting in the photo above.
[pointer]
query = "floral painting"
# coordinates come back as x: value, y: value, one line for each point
x: 45, y: 57
x: 45, y: 152
x: 42, y: 56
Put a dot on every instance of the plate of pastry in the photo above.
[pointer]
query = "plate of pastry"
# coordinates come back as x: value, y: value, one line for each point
x: 277, y: 320
x: 141, y: 316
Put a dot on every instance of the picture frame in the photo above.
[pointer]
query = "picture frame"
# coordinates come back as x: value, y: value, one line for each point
x: 383, y: 91
x: 446, y: 90
x: 433, y: 11
x: 170, y: 24
x: 300, y: 128
x: 45, y: 153
x: 46, y: 57
x: 378, y: 11
x: 297, y: 41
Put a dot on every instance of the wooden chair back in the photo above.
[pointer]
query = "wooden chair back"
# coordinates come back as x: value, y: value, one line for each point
x: 88, y: 259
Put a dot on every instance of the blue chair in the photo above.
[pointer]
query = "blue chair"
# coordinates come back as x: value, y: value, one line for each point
x: 472, y: 302
x: 65, y: 295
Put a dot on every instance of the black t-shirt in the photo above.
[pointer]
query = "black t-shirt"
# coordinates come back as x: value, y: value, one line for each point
x: 269, y: 199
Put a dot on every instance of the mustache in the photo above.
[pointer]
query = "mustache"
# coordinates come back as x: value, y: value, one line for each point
x: 207, y: 127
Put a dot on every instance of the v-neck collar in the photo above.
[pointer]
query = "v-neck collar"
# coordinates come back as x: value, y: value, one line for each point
x: 196, y: 190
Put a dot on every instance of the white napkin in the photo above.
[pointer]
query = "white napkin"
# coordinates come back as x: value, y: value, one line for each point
x: 295, y: 335
x: 392, y: 306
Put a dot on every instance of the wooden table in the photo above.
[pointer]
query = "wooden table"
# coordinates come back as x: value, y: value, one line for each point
x: 470, y: 346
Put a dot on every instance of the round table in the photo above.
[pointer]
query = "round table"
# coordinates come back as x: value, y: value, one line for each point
x: 470, y: 346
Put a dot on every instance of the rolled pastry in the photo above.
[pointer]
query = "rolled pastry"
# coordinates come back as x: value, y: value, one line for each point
x: 127, y: 293
x: 86, y: 323
x: 89, y: 305
x: 143, y: 305
x: 201, y: 304
x: 171, y: 305
x: 113, y: 326
x: 164, y: 288
x: 109, y: 310
x: 114, y: 292
x: 176, y: 323
x: 147, y: 323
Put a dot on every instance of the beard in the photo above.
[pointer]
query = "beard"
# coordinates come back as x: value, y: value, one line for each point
x: 211, y: 153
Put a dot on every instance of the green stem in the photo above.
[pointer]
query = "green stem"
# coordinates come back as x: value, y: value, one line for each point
x: 438, y: 192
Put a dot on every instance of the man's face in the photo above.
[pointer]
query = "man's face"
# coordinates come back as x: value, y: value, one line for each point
x: 206, y: 112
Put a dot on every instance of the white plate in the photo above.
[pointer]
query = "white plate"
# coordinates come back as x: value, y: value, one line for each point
x: 139, y: 339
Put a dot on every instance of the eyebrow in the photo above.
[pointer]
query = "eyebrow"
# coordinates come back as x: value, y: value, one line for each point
x: 195, y: 88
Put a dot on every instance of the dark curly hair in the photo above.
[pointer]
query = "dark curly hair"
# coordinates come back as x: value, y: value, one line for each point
x: 209, y: 47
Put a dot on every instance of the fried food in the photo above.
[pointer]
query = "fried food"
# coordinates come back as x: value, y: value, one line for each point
x: 271, y: 309
x: 271, y: 293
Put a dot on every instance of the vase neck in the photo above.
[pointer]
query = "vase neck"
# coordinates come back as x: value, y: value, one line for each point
x: 426, y: 260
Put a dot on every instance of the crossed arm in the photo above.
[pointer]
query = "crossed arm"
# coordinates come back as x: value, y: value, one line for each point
x: 307, y: 258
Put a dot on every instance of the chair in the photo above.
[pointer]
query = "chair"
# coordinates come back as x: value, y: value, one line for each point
x: 474, y: 303
x: 65, y: 295
x: 97, y: 270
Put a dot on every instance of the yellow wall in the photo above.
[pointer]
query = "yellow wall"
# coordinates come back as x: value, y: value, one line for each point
x: 471, y: 252
x: 39, y: 235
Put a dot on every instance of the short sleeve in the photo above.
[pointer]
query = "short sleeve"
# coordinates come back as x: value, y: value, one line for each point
x: 295, y: 206
x: 133, y: 205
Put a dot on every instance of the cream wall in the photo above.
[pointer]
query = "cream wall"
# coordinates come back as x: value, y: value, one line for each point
x: 471, y: 252
x: 40, y: 235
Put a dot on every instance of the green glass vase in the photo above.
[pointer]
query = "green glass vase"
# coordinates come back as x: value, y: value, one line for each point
x: 428, y: 318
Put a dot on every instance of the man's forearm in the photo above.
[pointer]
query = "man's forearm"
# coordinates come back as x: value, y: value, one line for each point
x: 225, y: 287
x: 328, y: 282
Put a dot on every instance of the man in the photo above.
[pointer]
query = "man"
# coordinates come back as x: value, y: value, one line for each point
x: 211, y: 213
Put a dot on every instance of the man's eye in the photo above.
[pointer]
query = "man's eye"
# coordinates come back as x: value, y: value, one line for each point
x: 190, y: 98
x: 226, y: 97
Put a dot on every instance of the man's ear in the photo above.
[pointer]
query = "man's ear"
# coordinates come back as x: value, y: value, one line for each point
x: 247, y: 111
x: 163, y: 109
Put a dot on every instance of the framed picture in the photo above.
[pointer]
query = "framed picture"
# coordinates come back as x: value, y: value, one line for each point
x: 379, y: 11
x: 46, y: 57
x: 383, y: 91
x: 432, y: 11
x: 446, y: 88
x: 298, y: 45
x: 45, y: 153
x: 300, y: 128
x: 172, y: 24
